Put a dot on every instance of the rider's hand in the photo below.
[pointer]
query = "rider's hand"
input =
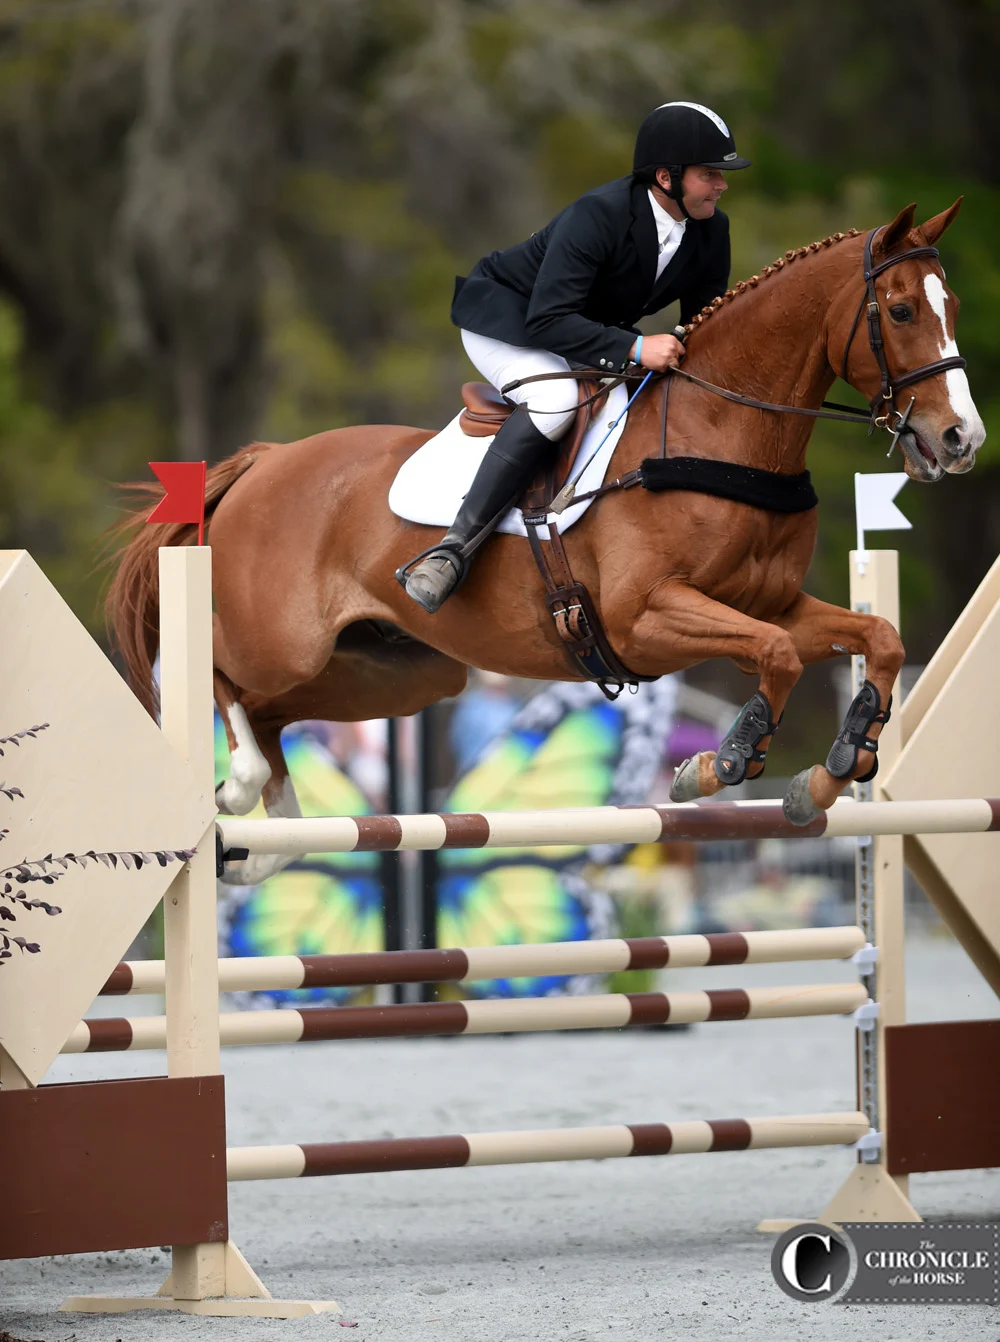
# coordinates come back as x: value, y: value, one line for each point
x: 660, y: 352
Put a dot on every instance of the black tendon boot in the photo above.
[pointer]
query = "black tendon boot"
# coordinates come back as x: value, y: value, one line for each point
x: 511, y: 460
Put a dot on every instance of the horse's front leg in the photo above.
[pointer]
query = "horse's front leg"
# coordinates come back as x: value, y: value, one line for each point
x: 819, y: 632
x: 679, y: 627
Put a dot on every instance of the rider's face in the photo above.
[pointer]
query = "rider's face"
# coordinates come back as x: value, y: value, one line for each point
x: 702, y: 189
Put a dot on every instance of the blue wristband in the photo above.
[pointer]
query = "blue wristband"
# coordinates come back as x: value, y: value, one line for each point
x: 638, y: 351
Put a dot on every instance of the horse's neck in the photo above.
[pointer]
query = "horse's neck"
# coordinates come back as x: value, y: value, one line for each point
x: 769, y: 343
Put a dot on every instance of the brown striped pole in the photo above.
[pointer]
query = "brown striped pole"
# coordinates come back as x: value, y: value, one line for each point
x: 494, y: 1016
x: 474, y: 964
x: 521, y: 1148
x: 601, y: 824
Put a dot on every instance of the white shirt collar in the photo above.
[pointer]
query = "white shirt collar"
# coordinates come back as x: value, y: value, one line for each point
x: 668, y: 229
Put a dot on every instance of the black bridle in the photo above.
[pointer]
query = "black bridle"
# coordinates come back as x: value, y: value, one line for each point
x: 885, y: 400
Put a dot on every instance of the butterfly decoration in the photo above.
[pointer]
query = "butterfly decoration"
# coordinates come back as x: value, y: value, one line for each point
x: 324, y: 903
x: 566, y: 747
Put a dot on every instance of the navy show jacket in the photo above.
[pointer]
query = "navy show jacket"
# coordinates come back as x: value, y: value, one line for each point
x: 578, y: 286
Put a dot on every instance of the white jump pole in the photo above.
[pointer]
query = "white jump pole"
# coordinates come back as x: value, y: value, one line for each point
x: 296, y: 837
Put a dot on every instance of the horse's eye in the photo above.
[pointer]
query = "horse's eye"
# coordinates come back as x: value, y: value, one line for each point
x: 899, y: 312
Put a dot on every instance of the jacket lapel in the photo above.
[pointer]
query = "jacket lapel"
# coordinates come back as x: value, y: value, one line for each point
x: 643, y: 235
x: 680, y: 259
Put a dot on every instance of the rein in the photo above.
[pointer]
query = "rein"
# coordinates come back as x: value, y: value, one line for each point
x: 880, y: 412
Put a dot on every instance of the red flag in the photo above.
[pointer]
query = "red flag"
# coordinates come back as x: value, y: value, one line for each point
x: 184, y: 500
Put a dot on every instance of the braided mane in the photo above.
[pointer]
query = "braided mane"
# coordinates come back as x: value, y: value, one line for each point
x: 754, y: 280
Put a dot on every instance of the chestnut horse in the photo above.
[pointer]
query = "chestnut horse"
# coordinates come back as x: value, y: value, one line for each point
x: 311, y: 623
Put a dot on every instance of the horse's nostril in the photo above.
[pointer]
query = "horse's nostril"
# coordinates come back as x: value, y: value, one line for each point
x: 954, y: 439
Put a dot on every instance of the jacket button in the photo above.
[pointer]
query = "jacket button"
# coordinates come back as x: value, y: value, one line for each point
x: 604, y: 363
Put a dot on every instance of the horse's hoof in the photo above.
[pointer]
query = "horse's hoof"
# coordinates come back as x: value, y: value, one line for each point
x: 798, y: 805
x: 685, y: 785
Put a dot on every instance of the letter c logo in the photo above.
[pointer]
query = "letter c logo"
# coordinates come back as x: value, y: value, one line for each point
x: 811, y: 1262
x: 790, y: 1263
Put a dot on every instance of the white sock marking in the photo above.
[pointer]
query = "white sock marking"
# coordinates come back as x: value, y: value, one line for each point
x: 256, y: 868
x: 248, y: 769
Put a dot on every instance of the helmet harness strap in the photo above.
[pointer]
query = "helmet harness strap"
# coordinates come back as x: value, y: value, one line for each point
x: 676, y: 190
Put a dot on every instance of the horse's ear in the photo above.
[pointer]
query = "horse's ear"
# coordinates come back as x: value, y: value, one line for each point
x: 933, y: 228
x: 895, y: 234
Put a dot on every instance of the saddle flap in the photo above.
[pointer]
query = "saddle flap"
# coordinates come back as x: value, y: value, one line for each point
x: 485, y: 409
x: 552, y: 476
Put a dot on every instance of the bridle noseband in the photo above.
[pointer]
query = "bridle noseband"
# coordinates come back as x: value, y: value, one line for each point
x: 885, y: 400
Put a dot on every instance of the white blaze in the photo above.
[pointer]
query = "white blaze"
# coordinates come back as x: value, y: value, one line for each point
x: 955, y: 379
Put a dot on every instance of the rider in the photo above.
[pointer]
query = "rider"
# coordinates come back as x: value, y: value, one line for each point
x: 570, y: 297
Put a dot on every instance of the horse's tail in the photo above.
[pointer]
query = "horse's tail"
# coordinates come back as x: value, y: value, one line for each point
x: 132, y: 605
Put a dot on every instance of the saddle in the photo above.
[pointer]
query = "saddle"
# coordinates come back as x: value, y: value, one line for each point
x: 570, y: 604
x: 486, y: 409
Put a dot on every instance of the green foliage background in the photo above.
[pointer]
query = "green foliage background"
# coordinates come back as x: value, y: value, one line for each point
x: 223, y: 220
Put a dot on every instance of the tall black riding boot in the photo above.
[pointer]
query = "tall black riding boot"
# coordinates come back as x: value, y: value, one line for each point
x: 511, y: 460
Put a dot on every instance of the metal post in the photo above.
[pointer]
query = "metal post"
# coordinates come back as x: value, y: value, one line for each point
x: 428, y: 858
x: 410, y: 870
x: 392, y: 913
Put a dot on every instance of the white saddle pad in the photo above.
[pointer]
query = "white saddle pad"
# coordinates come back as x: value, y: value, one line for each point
x: 431, y: 485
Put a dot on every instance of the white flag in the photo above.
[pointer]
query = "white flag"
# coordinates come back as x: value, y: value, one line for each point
x: 874, y: 507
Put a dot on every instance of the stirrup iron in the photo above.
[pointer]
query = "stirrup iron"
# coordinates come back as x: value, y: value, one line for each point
x: 454, y: 556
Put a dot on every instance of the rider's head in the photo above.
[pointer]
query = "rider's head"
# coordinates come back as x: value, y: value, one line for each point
x: 683, y: 149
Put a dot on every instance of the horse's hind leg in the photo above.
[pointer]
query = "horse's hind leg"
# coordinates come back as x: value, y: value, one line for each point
x: 249, y: 769
x: 821, y: 631
x: 257, y: 769
x: 279, y: 797
x: 366, y: 678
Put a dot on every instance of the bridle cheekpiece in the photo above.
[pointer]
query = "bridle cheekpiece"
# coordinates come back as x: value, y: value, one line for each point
x: 885, y: 414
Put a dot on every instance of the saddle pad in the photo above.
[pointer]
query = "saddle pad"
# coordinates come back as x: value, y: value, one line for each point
x: 430, y: 486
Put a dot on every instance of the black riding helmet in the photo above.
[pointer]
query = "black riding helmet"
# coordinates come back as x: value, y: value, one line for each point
x: 678, y: 134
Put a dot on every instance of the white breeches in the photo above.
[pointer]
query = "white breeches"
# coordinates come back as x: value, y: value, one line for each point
x: 551, y: 405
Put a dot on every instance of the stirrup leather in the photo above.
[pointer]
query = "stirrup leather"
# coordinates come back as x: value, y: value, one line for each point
x: 865, y: 711
x: 740, y: 748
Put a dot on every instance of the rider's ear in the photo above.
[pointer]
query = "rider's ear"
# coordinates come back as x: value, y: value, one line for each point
x: 894, y: 235
x: 933, y: 228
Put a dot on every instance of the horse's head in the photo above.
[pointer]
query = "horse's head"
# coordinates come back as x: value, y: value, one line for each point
x: 916, y: 319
